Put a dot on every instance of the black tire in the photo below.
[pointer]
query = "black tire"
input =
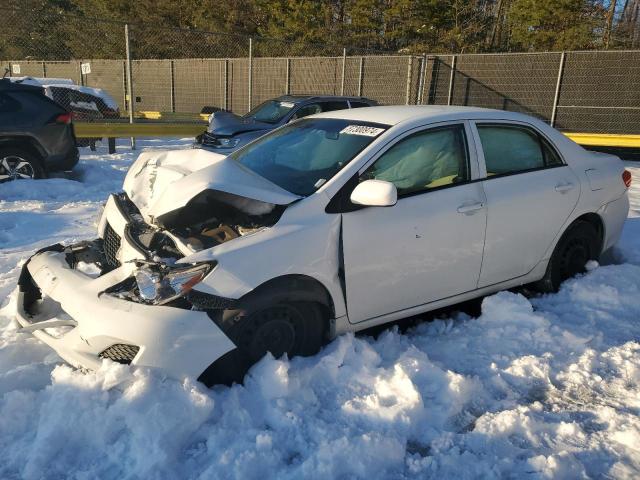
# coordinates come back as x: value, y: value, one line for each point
x: 264, y: 325
x: 17, y: 163
x: 579, y: 244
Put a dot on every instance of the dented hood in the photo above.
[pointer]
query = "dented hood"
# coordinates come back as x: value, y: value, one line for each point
x: 160, y: 182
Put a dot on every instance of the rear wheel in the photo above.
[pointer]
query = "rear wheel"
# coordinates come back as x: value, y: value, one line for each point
x: 17, y: 164
x: 294, y: 328
x: 579, y: 244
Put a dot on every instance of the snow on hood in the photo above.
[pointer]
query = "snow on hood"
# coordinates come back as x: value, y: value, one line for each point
x: 227, y: 123
x: 160, y: 182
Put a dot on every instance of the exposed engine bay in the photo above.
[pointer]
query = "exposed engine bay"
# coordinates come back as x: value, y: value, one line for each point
x: 214, y: 217
x: 209, y: 219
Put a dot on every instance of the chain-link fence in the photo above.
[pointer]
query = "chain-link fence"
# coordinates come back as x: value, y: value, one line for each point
x: 159, y: 74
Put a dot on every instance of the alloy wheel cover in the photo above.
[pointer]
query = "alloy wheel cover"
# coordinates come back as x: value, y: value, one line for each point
x: 13, y: 167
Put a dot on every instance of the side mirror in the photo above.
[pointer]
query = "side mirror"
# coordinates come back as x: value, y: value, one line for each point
x: 375, y: 193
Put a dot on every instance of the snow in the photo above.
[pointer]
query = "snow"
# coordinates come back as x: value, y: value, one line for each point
x: 538, y: 387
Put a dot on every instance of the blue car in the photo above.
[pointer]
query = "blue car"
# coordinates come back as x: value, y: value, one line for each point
x: 228, y: 132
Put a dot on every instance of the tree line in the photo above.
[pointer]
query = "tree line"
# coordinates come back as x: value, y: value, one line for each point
x: 48, y: 29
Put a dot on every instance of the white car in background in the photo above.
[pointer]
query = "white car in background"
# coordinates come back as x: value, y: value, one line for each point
x: 333, y: 223
x: 89, y: 103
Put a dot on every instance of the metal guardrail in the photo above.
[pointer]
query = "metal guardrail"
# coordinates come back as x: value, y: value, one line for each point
x: 128, y: 130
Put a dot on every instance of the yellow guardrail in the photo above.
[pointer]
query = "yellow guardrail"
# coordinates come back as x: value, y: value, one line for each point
x: 605, y: 139
x: 175, y: 129
x: 122, y: 130
x: 168, y: 116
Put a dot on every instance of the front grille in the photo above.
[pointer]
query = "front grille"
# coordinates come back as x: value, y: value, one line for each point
x: 111, y: 243
x: 120, y: 353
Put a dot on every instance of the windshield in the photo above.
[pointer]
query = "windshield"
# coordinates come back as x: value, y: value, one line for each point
x: 302, y: 156
x: 271, y: 111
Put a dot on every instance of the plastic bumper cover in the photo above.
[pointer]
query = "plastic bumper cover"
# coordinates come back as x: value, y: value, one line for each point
x: 178, y: 341
x: 65, y: 161
x: 614, y: 214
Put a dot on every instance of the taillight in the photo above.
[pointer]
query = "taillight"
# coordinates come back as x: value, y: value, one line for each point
x: 64, y: 118
x: 626, y: 178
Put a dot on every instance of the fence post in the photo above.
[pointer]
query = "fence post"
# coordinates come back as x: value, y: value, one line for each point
x: 360, y: 74
x: 287, y: 80
x: 44, y: 69
x: 173, y: 86
x: 81, y: 74
x: 344, y: 66
x: 407, y: 97
x: 556, y: 95
x: 125, y: 102
x: 250, y: 71
x: 226, y: 84
x: 129, y: 80
x: 423, y: 71
x: 451, y: 79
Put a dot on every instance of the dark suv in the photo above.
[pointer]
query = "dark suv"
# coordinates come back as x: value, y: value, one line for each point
x: 36, y: 133
x: 228, y: 132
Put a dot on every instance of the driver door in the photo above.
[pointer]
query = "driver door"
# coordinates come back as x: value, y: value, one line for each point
x: 426, y: 247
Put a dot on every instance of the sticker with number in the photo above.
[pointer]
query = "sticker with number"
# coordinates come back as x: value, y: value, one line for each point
x: 362, y: 130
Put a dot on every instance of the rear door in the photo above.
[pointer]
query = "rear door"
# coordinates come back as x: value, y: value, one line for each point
x: 530, y: 194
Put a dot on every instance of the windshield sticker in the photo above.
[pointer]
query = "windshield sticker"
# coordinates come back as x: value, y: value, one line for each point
x: 287, y: 104
x: 362, y: 130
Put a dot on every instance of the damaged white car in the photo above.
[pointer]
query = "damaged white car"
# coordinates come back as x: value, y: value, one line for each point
x: 334, y: 223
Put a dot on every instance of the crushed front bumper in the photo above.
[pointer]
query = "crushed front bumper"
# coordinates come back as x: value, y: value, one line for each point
x: 69, y: 311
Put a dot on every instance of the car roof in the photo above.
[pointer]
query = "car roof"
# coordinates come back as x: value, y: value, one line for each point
x: 304, y: 98
x: 393, y: 115
x: 8, y: 85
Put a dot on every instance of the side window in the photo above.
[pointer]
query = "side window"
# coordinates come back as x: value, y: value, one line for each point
x: 429, y: 159
x: 307, y: 110
x: 512, y: 149
x: 551, y: 157
x: 8, y: 104
x: 336, y: 105
x: 355, y: 104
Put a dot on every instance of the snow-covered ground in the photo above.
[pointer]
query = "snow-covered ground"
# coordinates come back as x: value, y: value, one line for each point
x: 532, y: 388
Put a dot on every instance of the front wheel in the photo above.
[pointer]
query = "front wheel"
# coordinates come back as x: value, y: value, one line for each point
x: 579, y: 244
x: 292, y: 328
x: 17, y: 164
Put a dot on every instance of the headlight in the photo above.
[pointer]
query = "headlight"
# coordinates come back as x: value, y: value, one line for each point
x: 227, y: 142
x: 159, y: 286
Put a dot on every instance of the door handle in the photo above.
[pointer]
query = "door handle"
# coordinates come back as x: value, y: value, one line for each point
x: 470, y: 208
x: 564, y: 187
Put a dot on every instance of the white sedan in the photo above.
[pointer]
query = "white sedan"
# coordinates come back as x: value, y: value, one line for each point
x: 333, y: 223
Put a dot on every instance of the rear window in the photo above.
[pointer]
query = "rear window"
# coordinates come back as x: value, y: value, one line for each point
x: 334, y: 105
x: 359, y: 104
